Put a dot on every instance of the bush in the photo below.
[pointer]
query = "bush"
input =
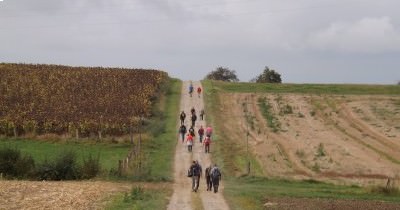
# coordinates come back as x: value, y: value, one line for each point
x: 64, y: 167
x: 91, y: 167
x: 13, y: 164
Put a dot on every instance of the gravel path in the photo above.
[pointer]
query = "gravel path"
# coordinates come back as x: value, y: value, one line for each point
x: 183, y: 198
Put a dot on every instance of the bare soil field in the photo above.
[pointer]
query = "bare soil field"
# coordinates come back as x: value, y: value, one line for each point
x: 348, y: 139
x: 59, y: 195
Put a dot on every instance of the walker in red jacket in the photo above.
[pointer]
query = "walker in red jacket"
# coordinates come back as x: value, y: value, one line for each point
x: 207, y: 142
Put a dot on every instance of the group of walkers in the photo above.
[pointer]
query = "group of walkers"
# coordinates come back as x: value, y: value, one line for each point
x: 212, y: 175
x: 191, y: 89
x: 191, y: 133
x: 212, y: 172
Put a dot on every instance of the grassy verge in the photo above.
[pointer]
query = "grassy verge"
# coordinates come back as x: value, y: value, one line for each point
x: 159, y: 153
x: 251, y: 192
x: 309, y: 88
x: 140, y: 198
x: 160, y: 150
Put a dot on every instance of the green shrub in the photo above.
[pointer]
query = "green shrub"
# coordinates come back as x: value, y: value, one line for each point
x: 64, y: 167
x: 15, y: 165
x: 91, y: 167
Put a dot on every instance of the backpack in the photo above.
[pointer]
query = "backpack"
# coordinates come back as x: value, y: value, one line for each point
x: 190, y: 173
x: 196, y: 170
x: 183, y: 116
x: 215, y: 173
x: 182, y: 129
x: 207, y: 140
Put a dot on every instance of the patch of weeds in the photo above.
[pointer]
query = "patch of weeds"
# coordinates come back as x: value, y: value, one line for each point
x: 287, y: 109
x: 300, y: 153
x: 312, y: 113
x: 266, y: 110
x: 300, y: 115
x: 321, y: 150
x: 137, y: 193
x: 388, y: 190
x: 316, y: 167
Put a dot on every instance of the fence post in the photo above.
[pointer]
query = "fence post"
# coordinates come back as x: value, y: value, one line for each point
x: 15, y: 132
x: 77, y: 133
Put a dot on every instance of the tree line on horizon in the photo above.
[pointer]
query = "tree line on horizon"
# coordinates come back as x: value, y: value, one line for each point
x: 225, y: 74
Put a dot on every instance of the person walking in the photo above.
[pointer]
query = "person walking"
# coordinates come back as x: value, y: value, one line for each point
x: 182, y: 117
x: 194, y: 118
x: 207, y: 142
x: 182, y: 131
x: 202, y: 114
x: 201, y: 133
x: 191, y: 132
x: 193, y: 111
x: 189, y: 142
x: 199, y: 91
x: 196, y: 171
x: 190, y: 89
x: 209, y: 131
x: 215, y: 174
x: 208, y: 178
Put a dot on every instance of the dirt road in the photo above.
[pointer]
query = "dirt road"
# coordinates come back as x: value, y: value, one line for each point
x: 183, y: 198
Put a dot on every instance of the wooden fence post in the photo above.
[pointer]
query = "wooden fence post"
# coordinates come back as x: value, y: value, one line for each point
x: 15, y: 132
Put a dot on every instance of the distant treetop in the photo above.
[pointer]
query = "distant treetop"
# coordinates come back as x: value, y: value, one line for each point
x: 223, y: 74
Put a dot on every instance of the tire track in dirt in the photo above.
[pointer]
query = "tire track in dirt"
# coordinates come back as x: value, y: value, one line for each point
x: 367, y: 130
x: 183, y: 197
x: 378, y: 143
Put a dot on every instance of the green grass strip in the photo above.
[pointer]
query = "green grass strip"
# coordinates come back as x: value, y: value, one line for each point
x: 357, y: 89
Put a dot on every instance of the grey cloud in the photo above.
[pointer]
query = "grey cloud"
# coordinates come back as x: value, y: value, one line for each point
x: 306, y: 40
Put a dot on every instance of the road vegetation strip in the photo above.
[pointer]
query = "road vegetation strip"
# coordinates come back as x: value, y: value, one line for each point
x: 160, y: 153
x: 340, y: 89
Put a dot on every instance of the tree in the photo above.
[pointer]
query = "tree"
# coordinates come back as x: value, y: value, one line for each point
x: 268, y: 76
x: 223, y: 74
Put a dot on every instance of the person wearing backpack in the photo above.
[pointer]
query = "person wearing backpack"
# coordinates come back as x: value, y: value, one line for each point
x: 191, y: 132
x: 182, y: 117
x: 202, y: 114
x: 189, y: 142
x: 194, y: 118
x: 208, y: 178
x: 182, y: 131
x: 215, y: 177
x: 207, y: 142
x: 201, y: 133
x: 196, y: 174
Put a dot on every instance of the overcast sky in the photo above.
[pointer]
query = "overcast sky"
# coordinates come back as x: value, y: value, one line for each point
x: 307, y: 41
